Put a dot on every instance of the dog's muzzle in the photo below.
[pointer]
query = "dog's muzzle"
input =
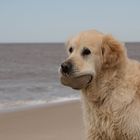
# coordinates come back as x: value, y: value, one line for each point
x: 69, y: 78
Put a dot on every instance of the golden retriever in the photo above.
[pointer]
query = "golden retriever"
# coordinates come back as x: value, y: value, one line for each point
x: 110, y: 83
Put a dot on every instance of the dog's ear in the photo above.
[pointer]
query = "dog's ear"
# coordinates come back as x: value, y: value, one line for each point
x: 112, y: 51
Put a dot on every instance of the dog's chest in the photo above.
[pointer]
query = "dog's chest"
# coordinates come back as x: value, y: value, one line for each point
x: 114, y: 126
x: 104, y: 121
x: 100, y: 121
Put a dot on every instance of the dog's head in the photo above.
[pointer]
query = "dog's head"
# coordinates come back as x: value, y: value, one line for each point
x: 88, y: 53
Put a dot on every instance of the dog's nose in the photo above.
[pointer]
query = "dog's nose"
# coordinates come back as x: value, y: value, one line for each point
x: 66, y: 67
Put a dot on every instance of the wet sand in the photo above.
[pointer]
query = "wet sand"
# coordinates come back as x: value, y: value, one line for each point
x: 58, y: 121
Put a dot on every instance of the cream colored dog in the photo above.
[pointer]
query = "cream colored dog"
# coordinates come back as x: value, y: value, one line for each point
x: 110, y: 83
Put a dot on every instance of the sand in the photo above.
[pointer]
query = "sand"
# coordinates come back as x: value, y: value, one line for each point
x: 55, y: 121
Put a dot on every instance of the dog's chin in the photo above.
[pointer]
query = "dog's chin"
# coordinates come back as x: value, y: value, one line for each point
x: 77, y: 82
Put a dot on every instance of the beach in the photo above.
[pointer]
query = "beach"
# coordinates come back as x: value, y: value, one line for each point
x: 33, y: 103
x: 57, y: 121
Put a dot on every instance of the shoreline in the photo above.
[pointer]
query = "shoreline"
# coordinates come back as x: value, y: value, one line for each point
x: 25, y: 105
x: 40, y: 105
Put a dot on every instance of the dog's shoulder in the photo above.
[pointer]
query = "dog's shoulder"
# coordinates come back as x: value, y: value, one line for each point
x: 133, y: 76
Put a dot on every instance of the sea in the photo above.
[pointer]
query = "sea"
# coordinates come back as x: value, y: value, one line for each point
x: 29, y: 74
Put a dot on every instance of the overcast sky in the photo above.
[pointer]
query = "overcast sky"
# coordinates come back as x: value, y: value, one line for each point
x: 56, y: 20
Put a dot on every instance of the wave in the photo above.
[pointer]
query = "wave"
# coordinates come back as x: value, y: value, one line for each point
x: 12, y: 105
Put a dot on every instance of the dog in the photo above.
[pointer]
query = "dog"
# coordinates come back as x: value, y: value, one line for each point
x: 98, y: 65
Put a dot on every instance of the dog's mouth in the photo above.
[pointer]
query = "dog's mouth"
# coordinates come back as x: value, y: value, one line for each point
x: 77, y: 82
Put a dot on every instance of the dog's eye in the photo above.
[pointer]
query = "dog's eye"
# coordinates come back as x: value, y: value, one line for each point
x: 70, y: 49
x: 86, y: 51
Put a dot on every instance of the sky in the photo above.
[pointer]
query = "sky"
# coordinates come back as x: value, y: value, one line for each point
x: 57, y: 20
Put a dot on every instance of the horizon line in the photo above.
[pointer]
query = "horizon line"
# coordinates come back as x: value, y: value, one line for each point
x: 53, y: 42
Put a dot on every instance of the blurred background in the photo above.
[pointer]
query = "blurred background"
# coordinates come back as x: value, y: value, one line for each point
x: 32, y: 36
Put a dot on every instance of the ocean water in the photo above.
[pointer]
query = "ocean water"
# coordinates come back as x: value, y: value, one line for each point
x: 29, y: 74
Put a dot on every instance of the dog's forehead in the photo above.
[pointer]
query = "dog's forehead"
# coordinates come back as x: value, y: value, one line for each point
x: 90, y: 38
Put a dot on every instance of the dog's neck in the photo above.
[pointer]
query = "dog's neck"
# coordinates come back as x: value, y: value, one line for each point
x: 100, y: 89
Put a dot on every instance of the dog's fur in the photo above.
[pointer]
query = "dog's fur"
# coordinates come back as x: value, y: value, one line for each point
x: 111, y: 101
